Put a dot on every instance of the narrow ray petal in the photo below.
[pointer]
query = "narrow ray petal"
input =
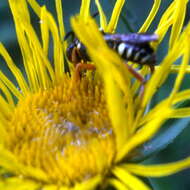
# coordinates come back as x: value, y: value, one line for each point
x: 118, y: 184
x: 103, y: 20
x: 178, y: 19
x: 158, y: 170
x: 115, y: 16
x: 131, y: 181
x: 151, y: 16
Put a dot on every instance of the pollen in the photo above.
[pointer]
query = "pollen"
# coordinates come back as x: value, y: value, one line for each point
x: 64, y: 131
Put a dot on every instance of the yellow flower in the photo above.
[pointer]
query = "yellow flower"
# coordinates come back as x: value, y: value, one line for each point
x: 68, y: 134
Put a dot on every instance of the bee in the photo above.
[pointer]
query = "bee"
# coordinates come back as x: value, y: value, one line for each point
x: 133, y: 47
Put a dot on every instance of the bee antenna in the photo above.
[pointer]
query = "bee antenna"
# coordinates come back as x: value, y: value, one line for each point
x: 95, y: 14
x: 70, y: 33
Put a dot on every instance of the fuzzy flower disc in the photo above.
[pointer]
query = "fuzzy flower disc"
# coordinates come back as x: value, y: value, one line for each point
x: 64, y: 131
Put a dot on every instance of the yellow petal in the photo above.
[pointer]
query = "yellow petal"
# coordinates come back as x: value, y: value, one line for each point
x: 181, y: 96
x: 23, y: 19
x: 115, y: 16
x: 57, y: 44
x: 43, y: 71
x: 10, y: 163
x: 161, y: 73
x: 85, y: 10
x: 3, y: 133
x: 158, y: 170
x: 35, y: 6
x: 151, y: 16
x: 89, y: 184
x: 178, y: 20
x: 181, y: 112
x: 11, y: 183
x: 131, y: 181
x: 44, y: 31
x: 165, y: 22
x: 118, y: 184
x: 55, y: 187
x: 176, y: 68
x: 10, y: 85
x: 19, y: 10
x: 103, y: 20
x: 116, y: 110
x: 59, y: 11
x: 112, y: 69
x: 6, y: 110
x: 16, y: 71
x: 8, y: 96
x: 173, y: 16
x: 182, y: 70
x: 153, y: 113
x: 145, y: 133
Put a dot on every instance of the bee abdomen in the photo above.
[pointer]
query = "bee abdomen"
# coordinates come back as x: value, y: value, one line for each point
x: 135, y: 53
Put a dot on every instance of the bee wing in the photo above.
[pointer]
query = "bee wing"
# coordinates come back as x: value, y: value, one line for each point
x: 133, y: 38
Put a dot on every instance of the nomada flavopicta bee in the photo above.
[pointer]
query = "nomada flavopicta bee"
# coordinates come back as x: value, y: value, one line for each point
x: 131, y: 47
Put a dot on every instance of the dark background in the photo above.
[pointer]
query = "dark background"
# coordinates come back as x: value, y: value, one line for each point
x: 135, y: 12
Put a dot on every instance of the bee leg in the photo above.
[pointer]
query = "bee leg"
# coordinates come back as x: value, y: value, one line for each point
x: 139, y: 77
x: 151, y: 68
x: 82, y: 66
x: 74, y: 56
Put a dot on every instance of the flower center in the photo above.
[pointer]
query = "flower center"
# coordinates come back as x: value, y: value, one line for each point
x: 64, y: 131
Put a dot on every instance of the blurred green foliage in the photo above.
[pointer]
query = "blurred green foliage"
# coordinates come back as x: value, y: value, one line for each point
x: 135, y: 13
